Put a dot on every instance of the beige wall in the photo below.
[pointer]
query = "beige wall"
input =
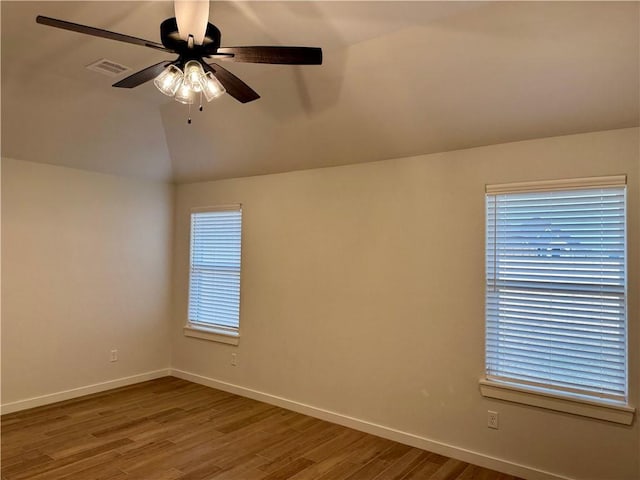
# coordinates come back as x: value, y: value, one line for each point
x: 85, y: 268
x: 362, y: 293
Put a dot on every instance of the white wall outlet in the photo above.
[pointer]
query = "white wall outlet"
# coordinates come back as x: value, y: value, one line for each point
x: 492, y: 419
x: 114, y: 355
x: 234, y: 359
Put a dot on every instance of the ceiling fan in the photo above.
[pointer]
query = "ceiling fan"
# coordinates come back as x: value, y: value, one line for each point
x: 190, y: 35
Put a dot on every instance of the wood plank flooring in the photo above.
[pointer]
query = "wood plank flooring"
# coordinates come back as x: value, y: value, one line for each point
x: 171, y: 429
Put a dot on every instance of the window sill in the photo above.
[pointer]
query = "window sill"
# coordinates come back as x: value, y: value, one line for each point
x: 610, y: 412
x: 211, y: 334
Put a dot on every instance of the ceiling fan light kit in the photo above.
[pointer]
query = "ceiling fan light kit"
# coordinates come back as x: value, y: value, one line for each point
x: 185, y: 86
x: 190, y: 75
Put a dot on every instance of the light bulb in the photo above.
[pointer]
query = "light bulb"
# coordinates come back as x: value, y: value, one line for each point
x: 184, y: 94
x: 212, y: 87
x: 169, y: 80
x: 194, y: 75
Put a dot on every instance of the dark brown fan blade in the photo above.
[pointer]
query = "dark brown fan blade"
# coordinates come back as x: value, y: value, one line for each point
x: 281, y: 55
x: 98, y: 32
x: 234, y: 86
x: 142, y: 76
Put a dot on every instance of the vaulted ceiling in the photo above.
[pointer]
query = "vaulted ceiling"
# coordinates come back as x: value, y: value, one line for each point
x: 398, y: 79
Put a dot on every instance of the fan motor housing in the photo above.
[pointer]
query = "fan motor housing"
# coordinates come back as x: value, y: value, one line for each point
x: 171, y: 39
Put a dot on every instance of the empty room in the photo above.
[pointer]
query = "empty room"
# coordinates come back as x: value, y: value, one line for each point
x: 320, y: 240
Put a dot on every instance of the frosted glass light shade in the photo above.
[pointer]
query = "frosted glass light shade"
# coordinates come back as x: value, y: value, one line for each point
x: 185, y: 95
x: 212, y: 87
x: 194, y: 75
x: 192, y: 18
x: 169, y: 80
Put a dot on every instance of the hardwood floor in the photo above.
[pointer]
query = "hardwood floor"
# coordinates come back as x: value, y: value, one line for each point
x: 170, y: 429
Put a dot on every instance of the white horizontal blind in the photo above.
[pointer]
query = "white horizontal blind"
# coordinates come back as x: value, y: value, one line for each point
x: 214, y: 284
x: 556, y: 290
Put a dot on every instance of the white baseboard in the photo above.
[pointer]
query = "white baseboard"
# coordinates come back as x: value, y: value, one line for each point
x: 81, y: 391
x: 423, y: 443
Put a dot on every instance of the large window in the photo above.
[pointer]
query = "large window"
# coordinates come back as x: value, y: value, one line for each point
x: 214, y: 281
x: 556, y: 288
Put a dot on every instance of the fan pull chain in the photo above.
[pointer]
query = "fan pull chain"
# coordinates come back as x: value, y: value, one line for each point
x: 201, y: 101
x: 189, y: 119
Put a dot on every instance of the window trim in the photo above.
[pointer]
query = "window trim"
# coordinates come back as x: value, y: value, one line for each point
x: 608, y: 410
x: 213, y: 333
x: 602, y: 410
x: 551, y: 185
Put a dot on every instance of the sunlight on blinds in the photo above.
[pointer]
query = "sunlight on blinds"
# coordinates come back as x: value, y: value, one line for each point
x: 214, y: 286
x: 556, y: 290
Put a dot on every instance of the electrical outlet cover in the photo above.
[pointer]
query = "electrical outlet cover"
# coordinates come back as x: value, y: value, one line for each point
x: 492, y: 419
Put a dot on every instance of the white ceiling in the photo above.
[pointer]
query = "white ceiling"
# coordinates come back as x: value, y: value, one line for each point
x: 398, y: 79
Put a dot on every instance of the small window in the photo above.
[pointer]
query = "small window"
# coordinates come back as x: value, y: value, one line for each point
x: 556, y: 316
x: 214, y: 281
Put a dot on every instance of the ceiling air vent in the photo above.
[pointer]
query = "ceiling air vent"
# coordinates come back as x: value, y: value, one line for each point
x: 108, y: 67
